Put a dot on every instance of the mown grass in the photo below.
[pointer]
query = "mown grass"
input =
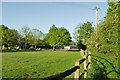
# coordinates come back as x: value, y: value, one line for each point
x: 40, y: 64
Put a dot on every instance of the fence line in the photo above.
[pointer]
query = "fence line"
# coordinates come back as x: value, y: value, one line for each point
x: 75, y: 69
x: 62, y: 75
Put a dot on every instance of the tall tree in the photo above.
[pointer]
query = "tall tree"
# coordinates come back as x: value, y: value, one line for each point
x: 109, y: 29
x: 63, y: 37
x: 84, y: 30
x: 9, y: 36
x: 30, y: 38
x: 52, y: 36
x: 37, y: 35
x: 24, y: 33
x: 20, y: 39
x: 4, y: 32
x: 58, y: 37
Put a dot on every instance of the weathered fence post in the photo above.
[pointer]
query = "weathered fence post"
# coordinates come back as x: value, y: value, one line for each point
x: 89, y: 59
x: 82, y: 52
x: 85, y: 75
x: 84, y: 56
x: 86, y: 52
x: 77, y: 72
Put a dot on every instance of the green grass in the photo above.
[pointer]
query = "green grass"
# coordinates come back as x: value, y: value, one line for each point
x: 40, y: 64
x: 104, y: 66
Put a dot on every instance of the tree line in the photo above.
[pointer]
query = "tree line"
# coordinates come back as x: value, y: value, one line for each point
x: 25, y: 38
x: 108, y: 32
x: 107, y: 39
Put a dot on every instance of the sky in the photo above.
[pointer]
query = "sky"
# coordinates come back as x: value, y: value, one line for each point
x: 42, y: 15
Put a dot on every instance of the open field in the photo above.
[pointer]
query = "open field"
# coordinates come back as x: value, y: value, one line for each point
x: 40, y: 64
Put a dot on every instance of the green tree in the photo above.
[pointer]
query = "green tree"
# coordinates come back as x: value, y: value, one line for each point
x: 45, y: 41
x: 91, y: 42
x: 9, y: 36
x: 108, y: 30
x: 4, y: 32
x: 52, y: 36
x: 84, y: 30
x: 58, y: 37
x: 63, y: 37
x: 30, y: 38
x: 24, y: 33
x: 37, y: 35
x: 72, y: 43
x: 20, y: 39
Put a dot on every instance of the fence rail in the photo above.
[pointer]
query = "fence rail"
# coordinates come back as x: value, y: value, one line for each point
x: 75, y: 69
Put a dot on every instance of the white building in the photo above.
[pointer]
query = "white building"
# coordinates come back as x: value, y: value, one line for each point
x: 69, y: 47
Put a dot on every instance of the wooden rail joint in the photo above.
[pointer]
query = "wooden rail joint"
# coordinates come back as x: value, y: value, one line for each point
x: 85, y: 55
x: 75, y: 69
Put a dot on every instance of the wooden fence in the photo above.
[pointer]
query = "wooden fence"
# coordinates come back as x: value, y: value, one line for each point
x: 75, y: 69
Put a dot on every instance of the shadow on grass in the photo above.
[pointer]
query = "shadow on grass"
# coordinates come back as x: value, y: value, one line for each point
x: 98, y: 72
x: 101, y: 70
x: 110, y: 64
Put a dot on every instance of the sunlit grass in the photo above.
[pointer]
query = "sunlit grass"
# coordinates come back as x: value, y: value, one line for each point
x: 40, y: 64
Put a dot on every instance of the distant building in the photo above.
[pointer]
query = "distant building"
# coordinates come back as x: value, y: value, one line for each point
x: 70, y: 47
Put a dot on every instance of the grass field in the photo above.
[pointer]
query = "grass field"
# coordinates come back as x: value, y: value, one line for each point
x: 40, y: 64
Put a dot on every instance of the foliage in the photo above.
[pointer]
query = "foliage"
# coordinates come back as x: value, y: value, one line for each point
x: 24, y: 33
x: 58, y: 37
x: 31, y: 37
x: 72, y: 43
x: 9, y: 36
x: 84, y: 30
x: 52, y: 36
x: 104, y: 67
x: 81, y: 46
x: 45, y: 41
x: 34, y: 37
x: 83, y: 33
x: 91, y: 42
x: 108, y: 30
x: 63, y: 37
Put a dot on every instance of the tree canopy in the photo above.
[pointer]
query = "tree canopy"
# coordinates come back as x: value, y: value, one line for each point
x: 58, y: 37
x: 84, y: 30
x: 9, y: 36
x: 107, y: 31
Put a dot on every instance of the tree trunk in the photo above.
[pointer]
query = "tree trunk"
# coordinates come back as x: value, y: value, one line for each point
x: 25, y: 46
x: 61, y: 49
x: 35, y: 46
x: 7, y: 47
x: 53, y: 48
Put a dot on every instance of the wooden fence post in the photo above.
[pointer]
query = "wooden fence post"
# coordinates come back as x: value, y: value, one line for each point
x: 89, y: 59
x: 85, y: 75
x: 77, y: 72
x: 82, y: 52
x: 86, y: 52
x: 84, y: 56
